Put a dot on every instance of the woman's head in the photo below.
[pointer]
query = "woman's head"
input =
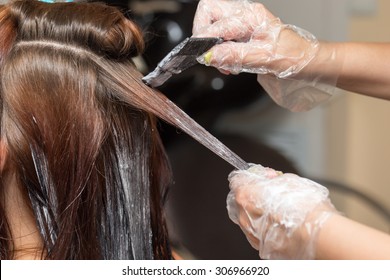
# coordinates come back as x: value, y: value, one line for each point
x: 80, y: 137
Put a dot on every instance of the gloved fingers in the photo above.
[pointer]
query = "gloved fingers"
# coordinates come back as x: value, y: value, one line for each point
x: 252, y: 239
x: 229, y: 29
x: 236, y: 57
x: 206, y: 14
x: 258, y: 42
x: 225, y: 72
x: 242, y: 206
x: 234, y: 28
x: 287, y: 198
x: 260, y: 56
x: 252, y: 176
x: 280, y: 214
x: 222, y: 19
x: 246, y: 224
x: 241, y: 217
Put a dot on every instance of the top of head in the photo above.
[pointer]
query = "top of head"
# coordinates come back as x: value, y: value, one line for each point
x: 97, y: 27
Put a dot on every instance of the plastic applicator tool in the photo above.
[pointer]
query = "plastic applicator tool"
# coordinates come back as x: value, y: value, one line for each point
x: 179, y: 59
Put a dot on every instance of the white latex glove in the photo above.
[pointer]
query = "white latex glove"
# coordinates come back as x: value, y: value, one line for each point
x: 258, y: 42
x: 280, y: 214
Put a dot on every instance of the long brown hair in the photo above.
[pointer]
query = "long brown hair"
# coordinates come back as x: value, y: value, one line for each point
x: 80, y: 132
x: 80, y: 129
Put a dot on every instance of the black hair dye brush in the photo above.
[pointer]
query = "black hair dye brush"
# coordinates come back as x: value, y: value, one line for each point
x: 179, y: 59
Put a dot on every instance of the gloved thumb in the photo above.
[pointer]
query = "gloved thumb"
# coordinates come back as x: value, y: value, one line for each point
x: 236, y: 57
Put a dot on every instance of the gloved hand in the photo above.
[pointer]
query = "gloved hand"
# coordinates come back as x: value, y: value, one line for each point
x: 258, y: 42
x: 280, y: 214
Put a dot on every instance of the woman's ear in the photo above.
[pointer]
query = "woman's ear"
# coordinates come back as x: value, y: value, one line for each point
x: 3, y: 154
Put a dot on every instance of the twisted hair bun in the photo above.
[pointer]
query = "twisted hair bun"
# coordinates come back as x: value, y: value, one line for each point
x: 7, y: 31
x: 99, y: 28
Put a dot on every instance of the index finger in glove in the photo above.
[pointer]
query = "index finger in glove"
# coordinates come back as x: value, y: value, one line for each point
x: 206, y: 14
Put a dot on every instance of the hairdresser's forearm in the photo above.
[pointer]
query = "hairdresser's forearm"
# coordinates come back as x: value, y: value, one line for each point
x: 366, y: 69
x: 361, y: 67
x: 342, y: 238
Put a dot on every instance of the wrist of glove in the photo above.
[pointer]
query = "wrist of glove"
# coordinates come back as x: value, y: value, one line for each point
x: 280, y: 214
x: 311, y: 85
